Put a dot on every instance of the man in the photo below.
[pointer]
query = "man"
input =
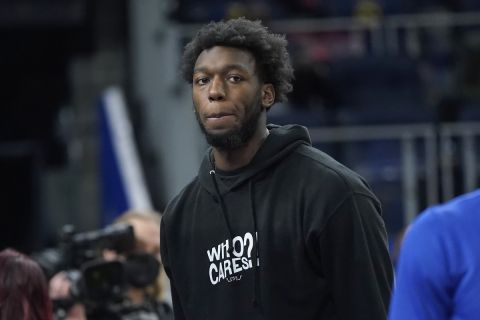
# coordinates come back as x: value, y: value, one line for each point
x: 439, y: 265
x: 145, y: 224
x: 271, y: 228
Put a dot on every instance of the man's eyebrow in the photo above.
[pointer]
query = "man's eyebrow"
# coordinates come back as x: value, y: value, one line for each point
x: 224, y: 68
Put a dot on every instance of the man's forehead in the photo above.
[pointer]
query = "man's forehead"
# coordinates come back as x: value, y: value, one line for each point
x: 224, y: 57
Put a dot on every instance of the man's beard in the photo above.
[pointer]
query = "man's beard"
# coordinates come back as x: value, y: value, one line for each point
x: 235, y: 138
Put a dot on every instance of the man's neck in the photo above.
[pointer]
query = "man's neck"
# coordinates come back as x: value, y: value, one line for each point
x: 228, y: 160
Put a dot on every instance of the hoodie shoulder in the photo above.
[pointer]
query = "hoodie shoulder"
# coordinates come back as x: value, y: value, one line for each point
x: 178, y: 201
x: 334, y: 174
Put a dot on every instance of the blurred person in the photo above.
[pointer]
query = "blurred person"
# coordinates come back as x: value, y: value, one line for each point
x: 23, y: 288
x: 438, y: 272
x: 147, y: 300
x: 146, y: 226
x: 270, y: 228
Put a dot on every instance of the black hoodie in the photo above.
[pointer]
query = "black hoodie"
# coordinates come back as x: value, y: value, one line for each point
x: 292, y: 235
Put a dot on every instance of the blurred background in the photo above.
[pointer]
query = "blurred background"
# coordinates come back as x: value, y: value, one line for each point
x: 391, y: 88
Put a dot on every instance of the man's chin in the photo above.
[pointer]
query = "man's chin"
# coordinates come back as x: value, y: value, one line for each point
x: 224, y: 141
x: 218, y: 132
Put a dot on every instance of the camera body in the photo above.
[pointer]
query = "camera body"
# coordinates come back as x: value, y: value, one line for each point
x: 98, y: 284
x: 77, y: 248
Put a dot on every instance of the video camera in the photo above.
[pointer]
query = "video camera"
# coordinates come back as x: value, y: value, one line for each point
x: 77, y: 248
x: 98, y: 284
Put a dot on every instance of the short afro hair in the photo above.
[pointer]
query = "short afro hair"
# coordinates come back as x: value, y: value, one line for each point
x: 270, y: 51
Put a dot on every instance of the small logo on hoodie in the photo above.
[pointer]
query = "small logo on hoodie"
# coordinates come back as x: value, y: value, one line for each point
x: 225, y: 265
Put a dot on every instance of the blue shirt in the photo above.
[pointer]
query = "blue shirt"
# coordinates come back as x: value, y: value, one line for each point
x: 438, y: 274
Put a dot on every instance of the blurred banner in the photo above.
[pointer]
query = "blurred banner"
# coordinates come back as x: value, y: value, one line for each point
x: 122, y: 182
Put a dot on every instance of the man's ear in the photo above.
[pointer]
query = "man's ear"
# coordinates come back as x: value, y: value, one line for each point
x: 268, y: 95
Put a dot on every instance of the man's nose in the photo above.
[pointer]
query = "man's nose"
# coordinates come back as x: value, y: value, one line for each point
x: 216, y: 91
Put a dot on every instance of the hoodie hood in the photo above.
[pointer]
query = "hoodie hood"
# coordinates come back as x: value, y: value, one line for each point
x: 281, y: 141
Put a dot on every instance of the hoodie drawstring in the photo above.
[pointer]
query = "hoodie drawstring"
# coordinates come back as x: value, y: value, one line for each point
x: 256, y: 257
x: 256, y: 284
x: 224, y: 210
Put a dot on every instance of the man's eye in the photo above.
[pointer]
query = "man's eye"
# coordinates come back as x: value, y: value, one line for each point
x: 201, y: 81
x: 234, y: 78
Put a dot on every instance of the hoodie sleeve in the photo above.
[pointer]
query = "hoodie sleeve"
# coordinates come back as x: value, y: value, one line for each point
x: 355, y: 260
x: 177, y: 309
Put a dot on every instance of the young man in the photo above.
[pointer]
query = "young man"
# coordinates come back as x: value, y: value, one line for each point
x: 271, y: 228
x: 439, y: 265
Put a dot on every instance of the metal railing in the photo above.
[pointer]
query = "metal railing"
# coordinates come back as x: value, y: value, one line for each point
x: 438, y: 142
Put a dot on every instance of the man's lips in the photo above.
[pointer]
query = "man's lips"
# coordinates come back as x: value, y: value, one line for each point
x: 218, y: 115
x: 221, y: 120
